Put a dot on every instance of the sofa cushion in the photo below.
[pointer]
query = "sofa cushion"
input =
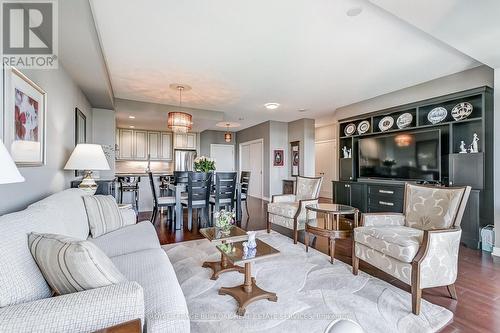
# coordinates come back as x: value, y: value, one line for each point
x: 70, y: 265
x: 131, y: 238
x: 285, y: 209
x: 103, y: 214
x: 165, y: 305
x: 398, y: 242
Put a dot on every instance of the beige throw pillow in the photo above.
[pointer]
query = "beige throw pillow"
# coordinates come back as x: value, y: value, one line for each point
x: 70, y: 265
x: 103, y: 214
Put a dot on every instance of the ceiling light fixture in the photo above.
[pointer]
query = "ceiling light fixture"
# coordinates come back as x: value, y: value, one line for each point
x: 302, y: 110
x: 228, y: 136
x: 354, y: 11
x: 131, y: 126
x: 180, y: 122
x: 272, y: 106
x: 131, y: 117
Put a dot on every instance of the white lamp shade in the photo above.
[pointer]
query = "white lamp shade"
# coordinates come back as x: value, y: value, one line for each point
x: 87, y: 156
x: 8, y: 170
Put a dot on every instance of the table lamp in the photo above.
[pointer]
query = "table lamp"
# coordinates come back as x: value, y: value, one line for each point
x: 9, y: 172
x: 87, y: 157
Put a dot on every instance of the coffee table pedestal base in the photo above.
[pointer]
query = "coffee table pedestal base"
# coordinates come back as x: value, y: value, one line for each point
x: 222, y: 266
x: 248, y: 292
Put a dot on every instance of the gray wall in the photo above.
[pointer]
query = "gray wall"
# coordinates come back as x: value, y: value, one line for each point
x: 62, y: 97
x: 260, y: 131
x: 103, y: 133
x: 217, y: 137
x: 303, y: 130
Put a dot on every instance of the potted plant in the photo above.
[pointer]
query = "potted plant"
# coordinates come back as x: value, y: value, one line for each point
x: 224, y: 220
x: 204, y: 164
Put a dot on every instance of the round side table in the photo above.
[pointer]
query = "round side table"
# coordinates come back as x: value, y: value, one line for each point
x: 331, y: 226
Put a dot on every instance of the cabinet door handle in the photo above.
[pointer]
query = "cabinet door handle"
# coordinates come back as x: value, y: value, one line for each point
x: 386, y: 191
x: 385, y: 203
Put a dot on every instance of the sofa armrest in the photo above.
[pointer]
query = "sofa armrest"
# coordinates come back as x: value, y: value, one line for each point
x: 283, y: 198
x: 128, y: 214
x: 437, y: 258
x: 84, y: 311
x: 382, y: 219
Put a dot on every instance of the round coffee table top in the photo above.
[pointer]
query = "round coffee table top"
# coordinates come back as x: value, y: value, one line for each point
x: 331, y: 208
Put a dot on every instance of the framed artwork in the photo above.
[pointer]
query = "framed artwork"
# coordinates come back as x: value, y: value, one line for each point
x: 80, y: 127
x: 295, y: 157
x: 24, y: 118
x: 279, y: 158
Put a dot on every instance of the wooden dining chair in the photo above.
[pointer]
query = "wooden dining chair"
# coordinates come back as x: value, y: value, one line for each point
x: 161, y: 202
x: 198, y: 188
x: 224, y: 193
x: 245, y: 184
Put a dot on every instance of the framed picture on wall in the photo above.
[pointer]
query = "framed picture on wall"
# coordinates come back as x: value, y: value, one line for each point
x: 295, y: 149
x: 25, y: 107
x: 80, y: 127
x: 279, y: 158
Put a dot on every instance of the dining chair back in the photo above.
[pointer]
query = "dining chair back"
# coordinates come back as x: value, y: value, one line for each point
x: 245, y: 184
x: 225, y: 188
x: 198, y: 188
x: 160, y: 202
x: 181, y: 177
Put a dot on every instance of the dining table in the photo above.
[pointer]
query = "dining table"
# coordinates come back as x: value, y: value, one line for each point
x: 178, y: 189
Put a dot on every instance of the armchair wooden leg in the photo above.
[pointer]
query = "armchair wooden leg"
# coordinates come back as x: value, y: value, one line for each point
x: 295, y: 232
x: 452, y: 291
x: 416, y: 291
x: 268, y: 224
x: 355, y: 260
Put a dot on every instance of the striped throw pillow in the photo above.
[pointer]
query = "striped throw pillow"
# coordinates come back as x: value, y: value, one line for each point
x: 103, y: 214
x: 70, y: 265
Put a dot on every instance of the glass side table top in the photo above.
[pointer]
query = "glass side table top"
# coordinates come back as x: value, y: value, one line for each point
x: 234, y: 252
x: 216, y: 235
x: 331, y: 208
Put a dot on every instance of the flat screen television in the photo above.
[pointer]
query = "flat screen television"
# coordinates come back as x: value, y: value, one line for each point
x: 401, y: 156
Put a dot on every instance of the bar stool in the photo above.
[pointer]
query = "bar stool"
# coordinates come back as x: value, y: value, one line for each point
x: 130, y: 184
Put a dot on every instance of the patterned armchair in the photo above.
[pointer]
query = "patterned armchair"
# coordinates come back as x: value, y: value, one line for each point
x: 420, y: 246
x: 289, y: 210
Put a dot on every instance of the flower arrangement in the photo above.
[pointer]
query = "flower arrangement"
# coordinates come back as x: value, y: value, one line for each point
x: 224, y: 219
x: 204, y: 164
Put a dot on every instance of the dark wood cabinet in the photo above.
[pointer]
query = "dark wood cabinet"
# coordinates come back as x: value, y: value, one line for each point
x: 351, y: 194
x: 104, y: 187
x: 471, y: 221
x: 467, y: 169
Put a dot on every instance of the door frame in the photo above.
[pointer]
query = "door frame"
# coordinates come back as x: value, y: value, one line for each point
x: 247, y: 143
x: 224, y: 145
x: 335, y: 169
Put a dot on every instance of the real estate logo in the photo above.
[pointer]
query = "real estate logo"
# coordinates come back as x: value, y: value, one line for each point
x: 29, y: 34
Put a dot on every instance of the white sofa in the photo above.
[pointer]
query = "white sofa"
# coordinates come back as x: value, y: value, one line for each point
x: 152, y: 294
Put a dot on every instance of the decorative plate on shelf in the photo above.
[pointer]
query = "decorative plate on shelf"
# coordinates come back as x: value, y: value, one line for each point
x: 363, y: 127
x: 461, y: 110
x: 350, y: 129
x: 386, y: 123
x: 437, y: 115
x: 404, y: 120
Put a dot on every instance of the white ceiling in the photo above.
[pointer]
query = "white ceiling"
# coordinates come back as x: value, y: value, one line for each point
x: 473, y: 27
x: 238, y: 55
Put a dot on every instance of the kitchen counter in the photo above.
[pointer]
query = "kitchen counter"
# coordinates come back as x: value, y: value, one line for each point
x: 142, y: 174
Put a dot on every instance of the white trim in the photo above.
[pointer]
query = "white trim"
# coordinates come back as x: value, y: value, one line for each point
x: 247, y: 143
x: 496, y: 251
x: 325, y: 141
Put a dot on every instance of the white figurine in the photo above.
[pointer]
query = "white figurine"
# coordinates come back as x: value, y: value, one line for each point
x: 463, y: 150
x: 474, y: 148
x: 346, y: 152
x: 251, y: 243
x: 349, y: 151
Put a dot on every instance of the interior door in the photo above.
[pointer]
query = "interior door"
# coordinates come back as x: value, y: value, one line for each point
x: 224, y: 157
x: 251, y: 157
x: 325, y: 166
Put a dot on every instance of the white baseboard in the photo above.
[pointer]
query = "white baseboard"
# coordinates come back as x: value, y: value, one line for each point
x: 496, y: 251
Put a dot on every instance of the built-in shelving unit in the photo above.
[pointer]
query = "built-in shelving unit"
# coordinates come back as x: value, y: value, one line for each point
x: 472, y: 169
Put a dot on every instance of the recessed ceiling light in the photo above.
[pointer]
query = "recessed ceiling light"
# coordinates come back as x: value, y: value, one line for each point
x: 272, y: 106
x: 131, y: 126
x: 302, y: 110
x: 131, y: 117
x: 354, y: 11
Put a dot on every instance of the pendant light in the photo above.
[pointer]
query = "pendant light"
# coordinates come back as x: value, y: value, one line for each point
x: 180, y: 122
x: 228, y: 136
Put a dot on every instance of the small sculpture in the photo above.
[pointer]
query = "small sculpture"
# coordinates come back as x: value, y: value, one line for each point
x: 474, y: 148
x: 463, y: 150
x: 251, y: 243
x: 346, y: 152
x: 349, y: 151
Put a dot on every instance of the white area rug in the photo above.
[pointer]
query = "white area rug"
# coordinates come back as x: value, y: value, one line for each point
x: 311, y: 293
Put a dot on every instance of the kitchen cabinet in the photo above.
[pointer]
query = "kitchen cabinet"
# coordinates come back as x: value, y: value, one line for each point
x: 166, y: 146
x: 185, y: 141
x: 135, y: 145
x: 141, y: 145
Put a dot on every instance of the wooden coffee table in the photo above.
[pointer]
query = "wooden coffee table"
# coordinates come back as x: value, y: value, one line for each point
x: 215, y: 235
x: 248, y: 292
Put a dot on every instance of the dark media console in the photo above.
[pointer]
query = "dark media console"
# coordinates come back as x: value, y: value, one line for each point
x: 386, y: 194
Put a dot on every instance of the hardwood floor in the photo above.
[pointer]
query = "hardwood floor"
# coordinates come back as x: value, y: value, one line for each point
x: 478, y: 285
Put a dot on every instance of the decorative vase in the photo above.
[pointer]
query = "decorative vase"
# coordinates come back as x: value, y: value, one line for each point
x: 251, y: 243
